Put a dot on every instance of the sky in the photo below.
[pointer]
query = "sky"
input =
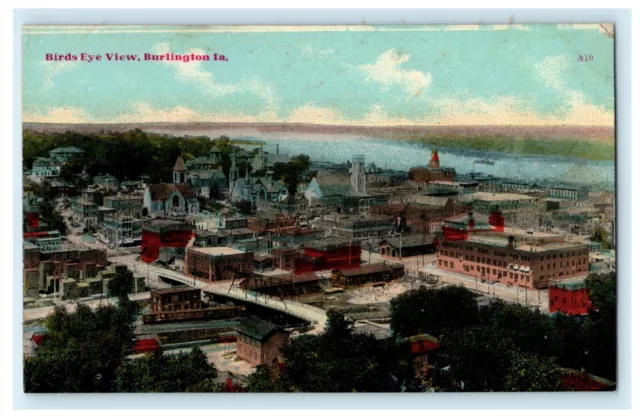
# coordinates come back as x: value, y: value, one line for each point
x: 346, y: 75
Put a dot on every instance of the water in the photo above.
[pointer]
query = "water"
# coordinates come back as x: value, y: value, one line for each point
x: 402, y: 155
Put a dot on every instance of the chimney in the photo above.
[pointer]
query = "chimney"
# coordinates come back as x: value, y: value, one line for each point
x: 471, y: 220
x: 512, y: 242
x: 497, y: 220
x: 277, y: 149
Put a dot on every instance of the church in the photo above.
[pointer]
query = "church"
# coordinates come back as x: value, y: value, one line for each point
x: 171, y: 200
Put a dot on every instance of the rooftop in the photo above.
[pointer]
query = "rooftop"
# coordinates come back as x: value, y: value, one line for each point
x: 216, y: 251
x: 499, y: 197
x: 172, y: 290
x: 257, y: 328
x: 410, y: 240
x: 368, y: 269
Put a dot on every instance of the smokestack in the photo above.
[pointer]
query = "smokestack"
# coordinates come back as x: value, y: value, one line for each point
x: 277, y: 149
x: 512, y: 242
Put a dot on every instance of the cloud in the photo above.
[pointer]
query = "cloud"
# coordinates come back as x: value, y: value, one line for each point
x: 194, y: 72
x: 309, y: 50
x: 59, y: 115
x: 53, y: 68
x: 550, y: 71
x: 387, y: 72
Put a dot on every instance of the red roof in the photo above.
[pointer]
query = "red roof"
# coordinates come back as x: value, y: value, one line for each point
x: 162, y: 191
x: 179, y: 165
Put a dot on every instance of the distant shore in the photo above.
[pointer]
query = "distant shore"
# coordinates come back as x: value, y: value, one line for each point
x: 589, y: 142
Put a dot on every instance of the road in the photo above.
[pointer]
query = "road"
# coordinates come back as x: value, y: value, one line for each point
x: 39, y: 313
x: 315, y: 315
x: 532, y: 298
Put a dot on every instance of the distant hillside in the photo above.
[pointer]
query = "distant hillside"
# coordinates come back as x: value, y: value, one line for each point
x: 406, y: 132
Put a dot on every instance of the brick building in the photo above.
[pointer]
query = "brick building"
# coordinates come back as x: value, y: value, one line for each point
x: 480, y: 247
x: 217, y: 263
x: 259, y: 342
x: 570, y: 297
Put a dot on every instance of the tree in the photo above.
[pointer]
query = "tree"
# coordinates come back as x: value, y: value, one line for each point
x: 433, y: 311
x: 82, y: 350
x: 264, y: 381
x: 531, y: 373
x: 120, y: 284
x: 161, y: 372
x: 599, y: 235
x: 474, y: 359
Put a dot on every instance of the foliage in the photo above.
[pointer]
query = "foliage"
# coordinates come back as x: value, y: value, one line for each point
x: 138, y: 153
x: 120, y: 283
x: 161, y: 372
x: 263, y: 380
x: 82, y: 351
x: 531, y: 373
x: 337, y: 360
x: 599, y: 235
x: 292, y: 171
x: 433, y: 311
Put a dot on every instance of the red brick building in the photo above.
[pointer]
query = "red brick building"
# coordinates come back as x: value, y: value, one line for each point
x: 480, y: 247
x: 570, y: 297
x: 259, y: 342
x: 217, y: 263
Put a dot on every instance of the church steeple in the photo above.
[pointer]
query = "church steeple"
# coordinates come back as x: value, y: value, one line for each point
x: 434, y: 163
x: 179, y: 171
x: 233, y: 172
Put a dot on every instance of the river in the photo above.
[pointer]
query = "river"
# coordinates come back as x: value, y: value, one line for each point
x: 402, y: 155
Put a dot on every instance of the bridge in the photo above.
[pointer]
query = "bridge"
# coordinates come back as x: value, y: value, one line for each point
x: 312, y: 314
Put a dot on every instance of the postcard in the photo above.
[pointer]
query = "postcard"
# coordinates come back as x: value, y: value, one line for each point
x: 319, y: 208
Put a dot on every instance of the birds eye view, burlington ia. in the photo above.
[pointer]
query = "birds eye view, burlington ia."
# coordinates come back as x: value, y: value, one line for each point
x: 319, y: 208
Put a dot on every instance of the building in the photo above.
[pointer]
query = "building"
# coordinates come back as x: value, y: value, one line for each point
x: 65, y: 154
x: 164, y: 237
x: 248, y: 189
x: 572, y: 193
x: 122, y: 231
x: 318, y: 255
x: 399, y: 246
x: 127, y: 205
x: 217, y: 263
x: 283, y: 285
x: 481, y: 247
x: 264, y: 161
x: 570, y: 297
x: 450, y: 187
x: 260, y: 342
x: 175, y: 200
x: 358, y: 180
x: 432, y: 171
x: 209, y: 184
x: 45, y: 266
x: 352, y: 226
x: 369, y: 273
x: 184, y: 304
x: 517, y: 209
x: 107, y: 181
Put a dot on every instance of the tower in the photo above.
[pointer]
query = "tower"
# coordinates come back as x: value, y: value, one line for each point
x: 179, y: 172
x: 434, y: 163
x: 358, y: 176
x: 233, y: 173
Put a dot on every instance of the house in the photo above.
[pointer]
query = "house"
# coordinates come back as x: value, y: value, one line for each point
x: 255, y: 189
x: 260, y: 342
x: 65, y: 154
